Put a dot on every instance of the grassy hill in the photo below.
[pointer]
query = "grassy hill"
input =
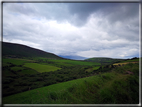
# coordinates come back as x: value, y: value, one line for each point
x: 32, y: 76
x: 18, y: 50
x: 113, y: 87
x: 19, y: 75
x: 104, y: 60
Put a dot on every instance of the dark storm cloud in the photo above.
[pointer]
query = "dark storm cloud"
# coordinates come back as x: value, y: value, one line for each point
x: 122, y: 12
x: 76, y: 13
x: 112, y: 11
x: 84, y: 10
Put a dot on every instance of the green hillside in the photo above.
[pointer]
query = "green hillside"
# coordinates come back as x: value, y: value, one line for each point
x: 18, y: 75
x: 18, y: 50
x: 32, y: 76
x: 113, y: 87
x: 104, y: 60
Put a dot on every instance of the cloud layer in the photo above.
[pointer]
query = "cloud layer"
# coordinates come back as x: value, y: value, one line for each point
x: 83, y: 29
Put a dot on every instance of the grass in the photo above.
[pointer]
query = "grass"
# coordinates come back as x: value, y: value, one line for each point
x: 41, y: 68
x: 58, y: 64
x: 17, y: 68
x: 120, y: 63
x: 4, y: 64
x: 95, y: 68
x: 14, y: 61
x: 76, y: 62
x: 27, y: 71
x: 113, y: 87
x: 124, y: 63
x: 91, y: 69
x: 7, y: 73
x: 132, y: 60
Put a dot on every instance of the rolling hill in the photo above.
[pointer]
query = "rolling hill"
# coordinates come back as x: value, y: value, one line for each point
x: 32, y: 76
x: 18, y: 50
x: 104, y: 60
x: 113, y: 87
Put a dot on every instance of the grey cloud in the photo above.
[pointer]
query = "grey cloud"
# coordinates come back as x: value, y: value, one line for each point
x: 122, y: 12
x: 112, y: 11
x: 75, y: 29
x: 82, y: 11
x: 52, y: 11
x: 20, y: 8
x: 76, y: 13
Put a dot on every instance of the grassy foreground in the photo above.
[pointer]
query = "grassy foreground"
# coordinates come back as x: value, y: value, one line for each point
x: 114, y: 87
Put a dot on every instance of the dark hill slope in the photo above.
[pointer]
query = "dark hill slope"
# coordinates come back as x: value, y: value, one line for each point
x: 18, y: 50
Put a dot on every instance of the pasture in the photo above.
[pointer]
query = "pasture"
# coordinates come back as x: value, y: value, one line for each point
x: 47, y: 94
x: 17, y: 68
x: 14, y: 61
x: 131, y: 60
x: 124, y: 63
x: 112, y: 87
x: 27, y: 71
x: 41, y: 68
x: 92, y: 69
x: 75, y: 62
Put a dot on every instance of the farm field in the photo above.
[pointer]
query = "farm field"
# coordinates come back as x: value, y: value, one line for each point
x: 132, y: 60
x: 41, y: 68
x: 92, y: 69
x: 124, y: 63
x: 74, y: 62
x: 14, y: 61
x: 33, y: 76
x: 17, y: 68
x: 115, y: 87
x: 35, y: 73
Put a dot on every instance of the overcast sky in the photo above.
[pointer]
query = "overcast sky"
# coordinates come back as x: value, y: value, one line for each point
x: 83, y: 29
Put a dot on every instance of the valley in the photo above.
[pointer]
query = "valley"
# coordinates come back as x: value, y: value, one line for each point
x: 49, y: 79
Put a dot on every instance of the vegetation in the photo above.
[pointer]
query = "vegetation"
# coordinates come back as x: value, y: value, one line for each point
x: 74, y: 62
x: 41, y: 68
x: 104, y: 61
x: 44, y: 78
x: 133, y: 60
x: 12, y: 50
x: 113, y: 87
x: 27, y: 76
x: 13, y: 61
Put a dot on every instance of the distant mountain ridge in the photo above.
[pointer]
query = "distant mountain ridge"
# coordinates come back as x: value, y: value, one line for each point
x: 73, y: 57
x: 19, y: 50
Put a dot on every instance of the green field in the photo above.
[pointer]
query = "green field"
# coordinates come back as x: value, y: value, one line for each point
x: 14, y: 61
x: 131, y: 60
x: 74, y: 62
x: 17, y: 68
x: 113, y: 87
x: 41, y: 95
x: 123, y: 63
x: 4, y: 64
x: 41, y: 68
x: 92, y: 69
x: 27, y: 78
x: 27, y: 71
